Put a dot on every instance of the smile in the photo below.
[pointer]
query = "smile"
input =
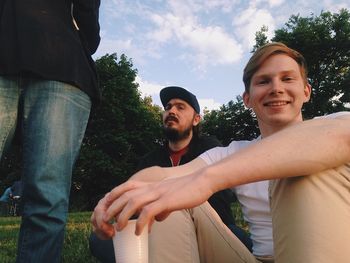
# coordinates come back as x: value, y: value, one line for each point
x: 276, y: 103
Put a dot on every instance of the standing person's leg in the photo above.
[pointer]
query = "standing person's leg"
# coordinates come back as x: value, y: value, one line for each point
x: 196, y: 235
x: 311, y: 217
x: 55, y: 116
x: 9, y: 95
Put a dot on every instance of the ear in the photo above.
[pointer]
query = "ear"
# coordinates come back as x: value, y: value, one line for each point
x: 307, y: 92
x: 246, y: 99
x: 196, y: 119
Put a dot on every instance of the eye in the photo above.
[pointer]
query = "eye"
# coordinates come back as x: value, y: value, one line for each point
x: 287, y: 78
x: 180, y: 106
x: 168, y: 107
x: 262, y: 81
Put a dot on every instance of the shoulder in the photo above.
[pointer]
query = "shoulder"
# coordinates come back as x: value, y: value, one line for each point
x: 218, y: 153
x: 335, y: 115
x: 236, y: 145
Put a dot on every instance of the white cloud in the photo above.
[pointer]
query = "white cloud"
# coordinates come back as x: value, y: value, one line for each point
x: 335, y: 7
x: 274, y: 3
x: 207, y: 44
x: 164, y: 31
x: 147, y: 88
x: 209, y: 104
x: 210, y: 44
x: 128, y: 47
x: 250, y: 21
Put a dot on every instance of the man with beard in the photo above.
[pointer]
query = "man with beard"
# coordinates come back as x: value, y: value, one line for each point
x: 181, y: 119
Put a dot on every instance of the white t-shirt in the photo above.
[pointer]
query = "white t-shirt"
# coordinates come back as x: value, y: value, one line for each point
x: 253, y: 198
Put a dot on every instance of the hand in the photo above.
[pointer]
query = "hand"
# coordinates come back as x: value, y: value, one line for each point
x: 150, y: 200
x: 104, y: 229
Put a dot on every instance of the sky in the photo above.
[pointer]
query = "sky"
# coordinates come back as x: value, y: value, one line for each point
x: 200, y: 45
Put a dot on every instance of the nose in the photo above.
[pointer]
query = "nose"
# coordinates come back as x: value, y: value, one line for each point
x: 276, y: 87
x: 171, y: 110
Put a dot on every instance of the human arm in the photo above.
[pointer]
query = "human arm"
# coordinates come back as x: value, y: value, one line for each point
x: 156, y: 173
x: 143, y: 177
x: 301, y: 149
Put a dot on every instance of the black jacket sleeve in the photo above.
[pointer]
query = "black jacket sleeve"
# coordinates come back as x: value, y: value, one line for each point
x: 86, y: 14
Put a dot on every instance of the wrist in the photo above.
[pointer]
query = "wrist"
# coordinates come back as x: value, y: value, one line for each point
x: 209, y: 180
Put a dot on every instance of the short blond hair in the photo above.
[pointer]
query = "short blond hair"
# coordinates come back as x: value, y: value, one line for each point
x: 266, y: 51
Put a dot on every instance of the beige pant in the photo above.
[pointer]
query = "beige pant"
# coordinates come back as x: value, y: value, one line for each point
x: 311, y: 217
x: 311, y: 224
x: 196, y: 235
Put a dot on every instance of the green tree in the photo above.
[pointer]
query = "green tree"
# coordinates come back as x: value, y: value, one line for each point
x: 232, y: 122
x: 261, y: 38
x: 324, y: 41
x: 122, y: 128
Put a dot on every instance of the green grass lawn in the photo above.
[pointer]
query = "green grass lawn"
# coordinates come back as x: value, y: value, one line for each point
x: 75, y: 247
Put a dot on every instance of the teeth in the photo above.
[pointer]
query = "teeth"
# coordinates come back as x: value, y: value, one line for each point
x: 276, y: 103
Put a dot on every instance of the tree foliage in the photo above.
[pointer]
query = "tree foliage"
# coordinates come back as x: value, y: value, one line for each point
x: 324, y: 41
x: 232, y: 122
x: 122, y: 128
x: 260, y: 38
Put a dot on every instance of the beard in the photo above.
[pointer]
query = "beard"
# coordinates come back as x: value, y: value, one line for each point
x: 174, y: 135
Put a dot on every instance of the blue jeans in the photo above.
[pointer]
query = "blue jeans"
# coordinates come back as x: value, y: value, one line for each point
x: 53, y: 120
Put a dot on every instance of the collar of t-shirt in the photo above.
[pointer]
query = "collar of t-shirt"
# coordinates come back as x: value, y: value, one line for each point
x: 175, y: 156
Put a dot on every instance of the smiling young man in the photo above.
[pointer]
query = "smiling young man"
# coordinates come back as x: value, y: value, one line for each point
x: 308, y: 163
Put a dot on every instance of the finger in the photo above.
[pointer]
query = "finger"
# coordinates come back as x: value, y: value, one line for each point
x: 149, y: 213
x: 118, y: 197
x: 100, y: 226
x: 121, y: 189
x: 132, y: 203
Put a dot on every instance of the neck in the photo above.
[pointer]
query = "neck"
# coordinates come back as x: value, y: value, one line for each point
x: 180, y: 144
x: 267, y: 130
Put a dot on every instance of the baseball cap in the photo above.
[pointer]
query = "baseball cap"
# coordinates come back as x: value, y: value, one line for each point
x: 173, y: 92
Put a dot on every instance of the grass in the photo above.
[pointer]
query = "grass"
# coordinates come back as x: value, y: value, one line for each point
x: 76, y: 248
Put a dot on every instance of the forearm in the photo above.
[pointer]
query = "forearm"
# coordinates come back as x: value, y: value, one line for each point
x: 156, y: 173
x: 151, y: 174
x: 303, y: 149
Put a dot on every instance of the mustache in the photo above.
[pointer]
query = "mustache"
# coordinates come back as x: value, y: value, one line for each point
x: 171, y: 118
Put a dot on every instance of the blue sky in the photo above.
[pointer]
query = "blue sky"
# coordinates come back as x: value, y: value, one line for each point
x: 201, y: 45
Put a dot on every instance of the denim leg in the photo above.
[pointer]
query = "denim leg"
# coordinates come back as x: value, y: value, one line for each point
x: 55, y: 116
x: 9, y: 96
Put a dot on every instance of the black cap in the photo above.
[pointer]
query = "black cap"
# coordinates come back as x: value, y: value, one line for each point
x: 173, y: 92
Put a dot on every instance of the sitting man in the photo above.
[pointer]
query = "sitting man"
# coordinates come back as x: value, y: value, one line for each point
x: 308, y: 163
x: 181, y: 119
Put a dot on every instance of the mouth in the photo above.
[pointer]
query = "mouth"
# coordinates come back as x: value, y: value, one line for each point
x: 276, y: 103
x: 171, y: 119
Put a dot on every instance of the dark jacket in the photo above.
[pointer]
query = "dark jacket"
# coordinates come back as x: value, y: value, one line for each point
x: 220, y: 201
x: 38, y: 37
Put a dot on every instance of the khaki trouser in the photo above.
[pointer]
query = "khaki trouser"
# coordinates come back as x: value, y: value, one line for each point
x: 311, y: 217
x: 311, y: 224
x: 196, y: 235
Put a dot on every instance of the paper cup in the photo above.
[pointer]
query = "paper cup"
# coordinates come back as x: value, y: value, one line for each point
x: 129, y: 248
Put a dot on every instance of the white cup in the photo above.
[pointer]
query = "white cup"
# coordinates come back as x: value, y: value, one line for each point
x: 129, y: 248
